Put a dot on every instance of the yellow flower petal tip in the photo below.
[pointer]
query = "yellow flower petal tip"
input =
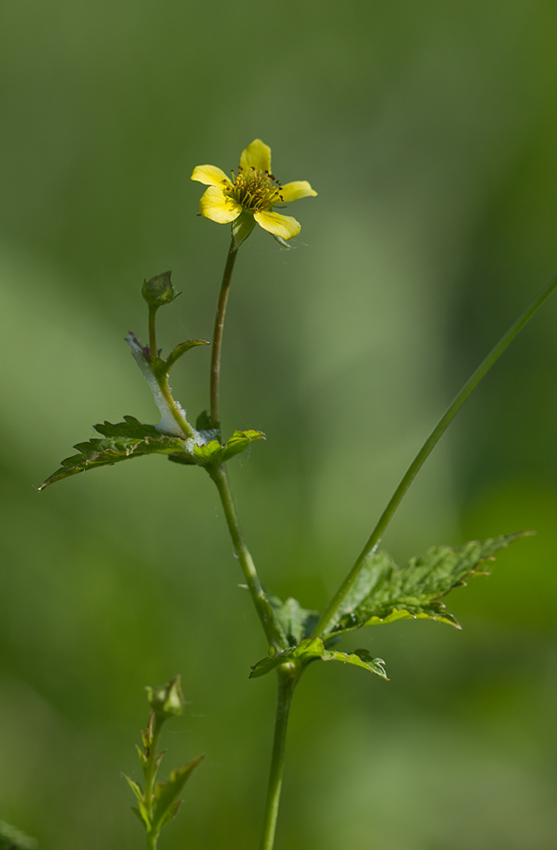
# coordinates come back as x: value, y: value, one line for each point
x: 254, y: 190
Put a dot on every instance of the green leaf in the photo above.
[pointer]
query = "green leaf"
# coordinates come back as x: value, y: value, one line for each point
x: 213, y: 453
x: 313, y: 649
x: 141, y: 810
x: 135, y: 788
x: 295, y: 623
x: 170, y: 814
x: 384, y: 592
x: 166, y: 793
x: 142, y: 757
x: 122, y: 441
x: 181, y: 349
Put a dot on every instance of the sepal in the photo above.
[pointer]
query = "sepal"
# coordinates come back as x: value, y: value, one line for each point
x: 241, y: 228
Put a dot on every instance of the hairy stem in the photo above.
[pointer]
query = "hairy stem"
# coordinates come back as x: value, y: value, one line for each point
x: 328, y: 618
x: 288, y: 676
x: 242, y: 552
x: 217, y: 335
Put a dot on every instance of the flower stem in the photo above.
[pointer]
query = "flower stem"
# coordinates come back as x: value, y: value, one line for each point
x: 328, y: 618
x: 217, y: 335
x: 152, y: 332
x: 288, y: 676
x: 257, y: 593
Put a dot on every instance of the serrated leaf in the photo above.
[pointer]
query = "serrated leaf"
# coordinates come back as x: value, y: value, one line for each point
x: 384, y: 592
x: 166, y: 793
x: 313, y: 649
x: 295, y: 623
x: 215, y: 454
x: 359, y: 658
x: 122, y: 441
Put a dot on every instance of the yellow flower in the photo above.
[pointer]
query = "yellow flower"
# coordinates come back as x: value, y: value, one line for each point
x: 253, y: 192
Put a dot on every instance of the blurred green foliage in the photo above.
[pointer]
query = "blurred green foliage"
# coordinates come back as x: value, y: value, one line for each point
x: 429, y: 131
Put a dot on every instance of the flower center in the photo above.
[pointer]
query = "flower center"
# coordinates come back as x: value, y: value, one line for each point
x: 255, y: 190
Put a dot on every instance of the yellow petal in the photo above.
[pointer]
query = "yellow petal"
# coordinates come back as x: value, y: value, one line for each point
x: 210, y: 175
x: 297, y: 189
x: 279, y: 225
x: 257, y: 155
x: 217, y: 206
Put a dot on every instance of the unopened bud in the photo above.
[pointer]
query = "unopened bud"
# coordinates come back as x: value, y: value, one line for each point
x: 168, y: 700
x: 159, y: 290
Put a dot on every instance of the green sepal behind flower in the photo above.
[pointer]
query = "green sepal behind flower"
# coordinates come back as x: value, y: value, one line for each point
x: 242, y: 227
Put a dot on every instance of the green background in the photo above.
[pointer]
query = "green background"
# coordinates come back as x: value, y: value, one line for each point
x: 429, y: 130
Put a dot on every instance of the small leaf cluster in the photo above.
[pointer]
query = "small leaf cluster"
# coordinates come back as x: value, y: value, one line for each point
x: 157, y: 804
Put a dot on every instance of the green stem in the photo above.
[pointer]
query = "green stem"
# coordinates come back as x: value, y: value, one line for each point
x: 257, y: 593
x: 288, y: 676
x: 328, y: 618
x: 153, y: 730
x: 217, y: 335
x: 152, y: 333
x: 175, y: 409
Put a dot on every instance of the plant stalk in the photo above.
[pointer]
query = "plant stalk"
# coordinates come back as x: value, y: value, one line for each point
x: 217, y: 336
x: 288, y: 676
x: 152, y: 331
x: 154, y: 730
x: 328, y: 619
x: 242, y: 552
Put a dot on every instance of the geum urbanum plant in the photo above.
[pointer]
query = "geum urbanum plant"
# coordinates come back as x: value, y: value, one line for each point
x: 375, y: 591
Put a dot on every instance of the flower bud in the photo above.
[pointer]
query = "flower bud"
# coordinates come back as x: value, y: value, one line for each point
x: 168, y: 700
x: 159, y: 290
